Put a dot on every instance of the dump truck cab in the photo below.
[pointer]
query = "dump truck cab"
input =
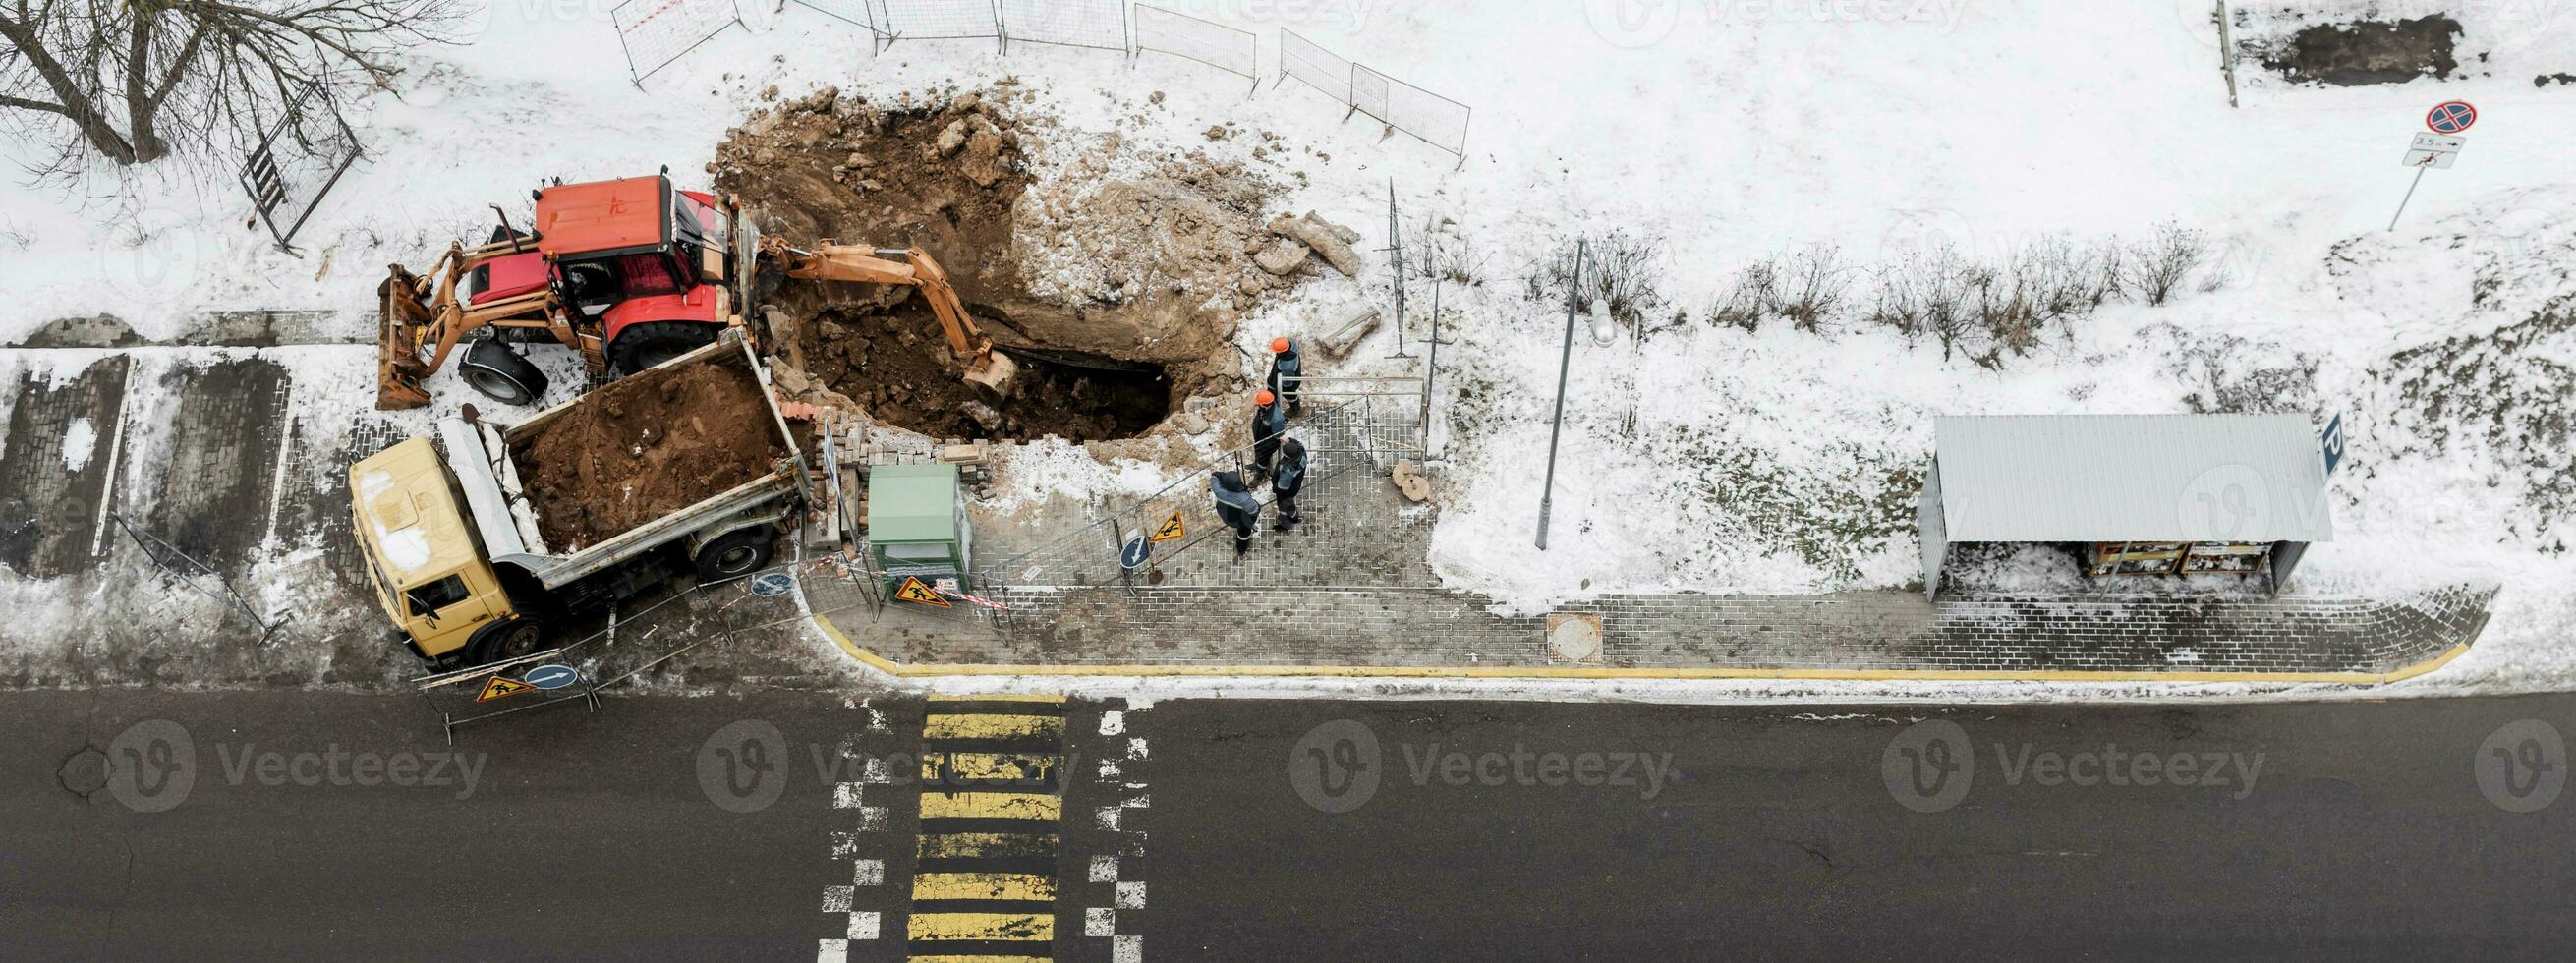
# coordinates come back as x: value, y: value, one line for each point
x: 426, y: 571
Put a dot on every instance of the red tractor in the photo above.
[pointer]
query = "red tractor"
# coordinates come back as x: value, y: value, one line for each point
x: 630, y: 273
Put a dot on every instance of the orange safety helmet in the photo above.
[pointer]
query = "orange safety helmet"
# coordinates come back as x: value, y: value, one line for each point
x: 1265, y: 397
x: 1279, y: 345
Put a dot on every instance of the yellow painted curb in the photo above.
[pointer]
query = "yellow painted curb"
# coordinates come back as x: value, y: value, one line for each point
x: 918, y: 670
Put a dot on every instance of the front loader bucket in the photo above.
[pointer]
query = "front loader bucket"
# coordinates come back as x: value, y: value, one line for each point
x: 401, y: 312
x: 998, y: 374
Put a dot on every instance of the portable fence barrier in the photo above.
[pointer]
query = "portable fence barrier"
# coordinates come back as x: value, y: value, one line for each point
x: 1436, y: 120
x: 296, y: 163
x: 654, y: 33
x: 184, y: 569
x: 1205, y: 41
x: 1319, y: 68
x: 936, y: 20
x: 1100, y: 24
x: 861, y: 13
x: 632, y: 644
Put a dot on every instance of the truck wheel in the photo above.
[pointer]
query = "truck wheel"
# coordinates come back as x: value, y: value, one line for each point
x: 644, y: 345
x: 735, y: 555
x: 502, y: 374
x: 509, y: 640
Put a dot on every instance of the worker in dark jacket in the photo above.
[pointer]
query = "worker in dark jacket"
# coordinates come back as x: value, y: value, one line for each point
x: 1269, y: 421
x: 1285, y: 369
x: 1236, y: 507
x: 1285, y: 483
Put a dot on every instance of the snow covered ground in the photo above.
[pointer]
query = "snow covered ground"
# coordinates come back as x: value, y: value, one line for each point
x: 1699, y: 456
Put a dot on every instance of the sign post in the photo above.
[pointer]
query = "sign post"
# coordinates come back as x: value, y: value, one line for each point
x: 2438, y: 149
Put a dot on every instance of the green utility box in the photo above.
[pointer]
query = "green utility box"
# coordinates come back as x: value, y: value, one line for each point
x: 917, y: 529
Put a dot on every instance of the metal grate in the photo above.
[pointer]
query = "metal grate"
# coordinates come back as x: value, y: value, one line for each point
x: 297, y: 163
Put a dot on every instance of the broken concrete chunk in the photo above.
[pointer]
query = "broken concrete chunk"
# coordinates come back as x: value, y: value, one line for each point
x: 1342, y: 338
x: 952, y: 137
x: 1326, y: 242
x: 1346, y: 234
x: 1283, y: 256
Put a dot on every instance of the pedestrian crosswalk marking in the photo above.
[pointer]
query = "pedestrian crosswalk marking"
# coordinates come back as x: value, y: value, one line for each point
x: 1033, y: 927
x: 991, y: 805
x: 984, y: 886
x: 1025, y: 769
x: 982, y: 726
x: 997, y: 697
x: 985, y: 845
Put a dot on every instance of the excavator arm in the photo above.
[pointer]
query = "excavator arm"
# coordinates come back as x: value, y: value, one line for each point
x: 906, y: 266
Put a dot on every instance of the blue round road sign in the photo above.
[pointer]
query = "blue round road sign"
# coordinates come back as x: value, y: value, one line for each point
x: 772, y: 583
x: 1135, y: 552
x: 551, y: 676
x: 2451, y: 117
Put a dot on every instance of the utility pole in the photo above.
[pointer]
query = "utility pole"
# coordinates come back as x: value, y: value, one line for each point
x: 1565, y: 363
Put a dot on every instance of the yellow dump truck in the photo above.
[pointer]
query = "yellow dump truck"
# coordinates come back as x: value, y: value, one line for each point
x: 455, y: 555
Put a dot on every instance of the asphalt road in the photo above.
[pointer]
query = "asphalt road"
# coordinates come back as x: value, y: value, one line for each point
x: 1396, y: 830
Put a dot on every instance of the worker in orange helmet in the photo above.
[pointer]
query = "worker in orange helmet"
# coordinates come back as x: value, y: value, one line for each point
x: 1285, y: 371
x: 1269, y: 421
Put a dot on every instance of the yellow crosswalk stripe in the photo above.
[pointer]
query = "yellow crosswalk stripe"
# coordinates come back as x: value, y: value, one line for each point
x: 986, y: 766
x: 1034, y: 927
x: 964, y: 845
x: 989, y: 726
x: 990, y: 805
x: 1023, y: 886
x: 1000, y: 697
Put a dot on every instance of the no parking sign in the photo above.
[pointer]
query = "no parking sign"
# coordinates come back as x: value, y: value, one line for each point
x: 2451, y: 117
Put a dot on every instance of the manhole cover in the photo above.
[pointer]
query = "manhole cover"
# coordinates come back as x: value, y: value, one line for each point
x: 85, y: 772
x: 1574, y: 637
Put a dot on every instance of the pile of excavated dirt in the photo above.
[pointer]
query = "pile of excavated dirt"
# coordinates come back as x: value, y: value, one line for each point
x: 1121, y: 252
x: 642, y: 447
x: 2368, y: 52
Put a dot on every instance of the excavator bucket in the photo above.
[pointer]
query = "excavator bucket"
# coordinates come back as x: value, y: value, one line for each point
x: 402, y: 311
x: 998, y: 374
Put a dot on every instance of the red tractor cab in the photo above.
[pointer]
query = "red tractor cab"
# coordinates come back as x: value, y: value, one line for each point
x: 630, y: 273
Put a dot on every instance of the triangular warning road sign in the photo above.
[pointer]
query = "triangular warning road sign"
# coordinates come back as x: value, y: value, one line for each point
x: 914, y: 589
x: 1172, y: 529
x: 499, y: 687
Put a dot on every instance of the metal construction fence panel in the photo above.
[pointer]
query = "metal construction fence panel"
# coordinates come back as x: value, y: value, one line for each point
x: 1437, y: 120
x: 861, y: 13
x: 1319, y: 68
x: 1205, y: 41
x: 296, y: 163
x: 656, y: 32
x: 1071, y: 23
x: 937, y: 19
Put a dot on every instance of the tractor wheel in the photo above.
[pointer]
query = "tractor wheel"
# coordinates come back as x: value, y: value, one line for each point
x: 502, y: 374
x: 509, y: 640
x: 644, y: 345
x: 735, y: 555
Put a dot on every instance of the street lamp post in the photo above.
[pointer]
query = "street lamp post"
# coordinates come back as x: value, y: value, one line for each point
x: 1565, y: 363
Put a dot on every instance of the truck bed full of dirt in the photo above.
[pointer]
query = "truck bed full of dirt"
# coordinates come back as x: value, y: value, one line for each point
x: 641, y: 448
